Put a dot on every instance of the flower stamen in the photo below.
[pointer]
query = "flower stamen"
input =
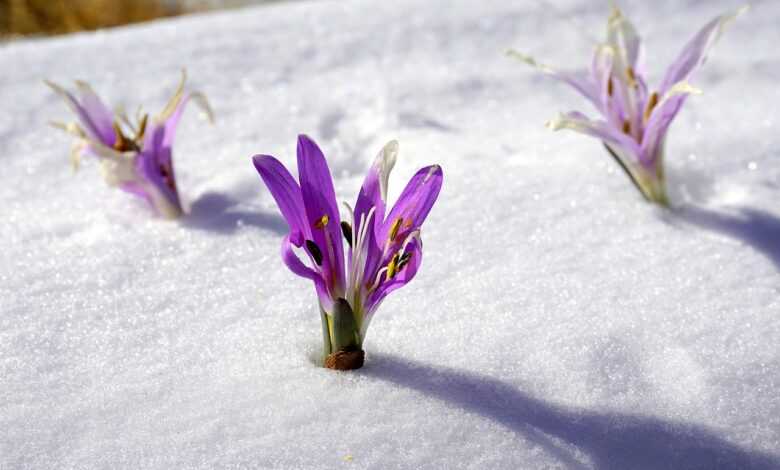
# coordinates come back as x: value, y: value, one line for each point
x: 314, y: 251
x: 392, y: 266
x: 322, y: 222
x: 404, y: 260
x: 139, y: 135
x: 652, y: 102
x: 346, y: 230
x: 631, y: 77
x: 394, y: 228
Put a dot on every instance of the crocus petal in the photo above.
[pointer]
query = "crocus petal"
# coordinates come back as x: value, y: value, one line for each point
x: 99, y: 114
x: 601, y: 73
x: 694, y: 54
x: 373, y: 193
x: 286, y: 193
x: 578, y: 122
x: 661, y: 117
x: 94, y: 116
x: 579, y: 79
x: 319, y: 200
x: 399, y: 280
x: 156, y: 166
x: 295, y: 265
x: 172, y: 120
x: 415, y: 202
x: 623, y: 38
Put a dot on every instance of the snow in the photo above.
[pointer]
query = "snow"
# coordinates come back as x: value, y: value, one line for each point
x: 557, y: 321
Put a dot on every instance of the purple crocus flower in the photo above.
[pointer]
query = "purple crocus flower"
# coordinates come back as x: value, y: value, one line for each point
x: 135, y: 157
x: 383, y: 249
x: 635, y: 119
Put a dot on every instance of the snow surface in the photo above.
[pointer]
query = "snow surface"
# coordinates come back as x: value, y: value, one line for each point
x: 558, y: 321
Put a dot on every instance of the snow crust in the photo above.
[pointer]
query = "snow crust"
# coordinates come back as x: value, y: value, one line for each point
x: 557, y: 321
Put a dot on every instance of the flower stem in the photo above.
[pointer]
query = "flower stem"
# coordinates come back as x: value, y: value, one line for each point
x: 651, y: 186
x: 327, y: 346
x: 341, y: 338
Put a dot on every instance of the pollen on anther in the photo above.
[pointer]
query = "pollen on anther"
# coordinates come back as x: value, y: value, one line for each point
x: 652, y: 102
x: 394, y: 228
x: 631, y: 76
x: 392, y: 266
x: 322, y: 222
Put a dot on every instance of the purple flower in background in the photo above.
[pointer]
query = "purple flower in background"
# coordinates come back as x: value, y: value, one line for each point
x: 383, y: 249
x: 136, y: 157
x: 635, y: 119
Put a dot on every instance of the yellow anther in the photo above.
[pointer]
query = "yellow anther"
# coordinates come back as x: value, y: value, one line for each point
x: 626, y: 127
x: 141, y: 128
x: 631, y: 76
x: 322, y: 222
x: 652, y: 102
x: 610, y: 87
x: 394, y: 228
x: 120, y: 143
x: 392, y: 266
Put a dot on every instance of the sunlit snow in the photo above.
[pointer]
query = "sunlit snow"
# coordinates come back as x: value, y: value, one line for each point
x: 557, y: 321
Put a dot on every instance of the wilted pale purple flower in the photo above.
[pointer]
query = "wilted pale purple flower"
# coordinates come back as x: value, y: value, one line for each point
x: 136, y: 157
x: 635, y: 119
x: 383, y: 251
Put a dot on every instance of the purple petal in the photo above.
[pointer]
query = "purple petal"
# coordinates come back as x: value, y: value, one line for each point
x: 319, y: 201
x: 373, y: 194
x: 156, y: 165
x: 660, y: 119
x: 172, y: 120
x: 578, y: 122
x: 414, y: 203
x: 580, y: 80
x: 601, y: 73
x: 295, y: 265
x: 694, y: 54
x: 286, y: 192
x: 374, y: 189
x: 400, y: 279
x: 101, y: 117
x: 96, y: 119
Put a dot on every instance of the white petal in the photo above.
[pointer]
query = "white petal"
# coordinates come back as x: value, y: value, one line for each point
x: 385, y: 162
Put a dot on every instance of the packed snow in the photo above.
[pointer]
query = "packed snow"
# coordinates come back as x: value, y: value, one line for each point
x: 557, y: 321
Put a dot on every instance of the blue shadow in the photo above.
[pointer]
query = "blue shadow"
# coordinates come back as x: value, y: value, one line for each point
x: 619, y: 441
x: 219, y: 213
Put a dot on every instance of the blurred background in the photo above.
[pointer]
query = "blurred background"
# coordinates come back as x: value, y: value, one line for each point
x: 46, y: 17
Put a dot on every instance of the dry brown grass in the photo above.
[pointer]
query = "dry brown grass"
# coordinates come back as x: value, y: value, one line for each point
x: 23, y: 17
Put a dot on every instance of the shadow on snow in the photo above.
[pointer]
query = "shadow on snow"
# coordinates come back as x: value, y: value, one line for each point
x: 756, y: 228
x: 218, y: 213
x: 611, y: 440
